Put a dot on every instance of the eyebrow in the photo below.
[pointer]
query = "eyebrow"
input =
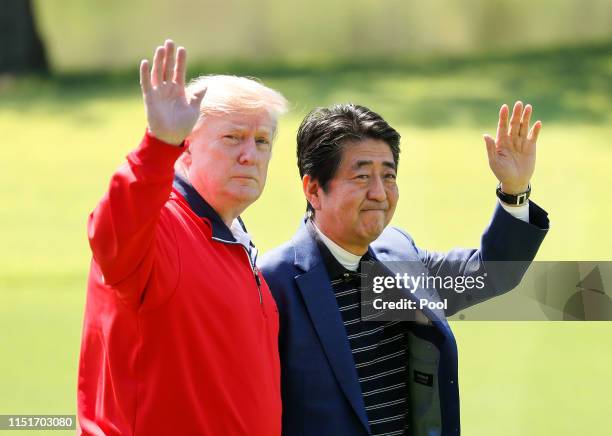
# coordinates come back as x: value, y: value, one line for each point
x: 362, y: 163
x: 242, y: 127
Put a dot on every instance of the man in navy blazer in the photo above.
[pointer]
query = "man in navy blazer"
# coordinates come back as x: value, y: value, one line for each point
x: 342, y: 373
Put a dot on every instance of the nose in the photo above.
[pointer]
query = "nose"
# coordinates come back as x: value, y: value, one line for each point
x: 376, y: 191
x: 248, y: 152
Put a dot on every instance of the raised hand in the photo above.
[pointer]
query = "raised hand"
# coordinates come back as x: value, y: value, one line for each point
x: 512, y: 154
x: 171, y: 114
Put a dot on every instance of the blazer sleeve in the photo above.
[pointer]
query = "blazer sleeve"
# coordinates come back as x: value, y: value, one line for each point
x: 507, y: 247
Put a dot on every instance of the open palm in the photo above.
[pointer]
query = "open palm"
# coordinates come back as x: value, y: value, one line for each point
x: 512, y: 153
x: 171, y: 114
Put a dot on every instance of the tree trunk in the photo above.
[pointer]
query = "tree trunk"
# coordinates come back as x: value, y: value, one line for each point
x: 21, y: 49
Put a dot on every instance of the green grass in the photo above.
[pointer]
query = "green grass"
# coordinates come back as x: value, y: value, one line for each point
x: 63, y: 137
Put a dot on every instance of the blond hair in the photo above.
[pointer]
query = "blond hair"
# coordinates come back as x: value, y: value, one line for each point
x: 230, y: 94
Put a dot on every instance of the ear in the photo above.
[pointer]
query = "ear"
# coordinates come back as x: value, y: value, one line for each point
x: 184, y: 161
x: 312, y: 191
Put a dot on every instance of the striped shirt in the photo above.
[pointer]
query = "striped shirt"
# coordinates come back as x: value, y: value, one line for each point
x: 379, y: 351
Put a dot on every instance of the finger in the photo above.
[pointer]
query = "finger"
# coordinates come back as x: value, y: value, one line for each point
x: 196, y: 99
x: 157, y: 70
x: 490, y: 143
x: 534, y: 132
x: 145, y: 77
x: 515, y: 121
x: 525, y: 121
x: 524, y: 127
x: 179, y: 69
x: 502, y: 125
x: 169, y: 60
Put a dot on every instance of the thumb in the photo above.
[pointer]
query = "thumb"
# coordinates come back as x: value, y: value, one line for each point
x: 196, y: 99
x: 490, y: 143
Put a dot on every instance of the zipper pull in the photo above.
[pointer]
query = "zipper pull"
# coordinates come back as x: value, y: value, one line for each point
x: 258, y: 281
x: 256, y: 273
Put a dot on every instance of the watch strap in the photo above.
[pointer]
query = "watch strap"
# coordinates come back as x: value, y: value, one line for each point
x: 513, y: 199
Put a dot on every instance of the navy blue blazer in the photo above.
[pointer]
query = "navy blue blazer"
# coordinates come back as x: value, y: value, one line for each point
x: 320, y: 388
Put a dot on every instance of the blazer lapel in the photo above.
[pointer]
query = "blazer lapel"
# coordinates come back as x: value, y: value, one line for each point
x: 322, y: 307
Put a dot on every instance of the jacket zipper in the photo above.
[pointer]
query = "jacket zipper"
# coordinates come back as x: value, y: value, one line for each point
x: 256, y: 274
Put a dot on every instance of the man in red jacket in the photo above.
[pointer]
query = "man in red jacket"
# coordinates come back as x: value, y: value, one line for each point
x: 180, y: 330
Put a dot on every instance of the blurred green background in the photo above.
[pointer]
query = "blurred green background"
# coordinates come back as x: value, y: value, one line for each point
x: 437, y: 71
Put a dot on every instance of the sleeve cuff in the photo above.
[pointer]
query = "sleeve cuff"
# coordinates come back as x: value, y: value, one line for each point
x: 507, y: 238
x: 518, y: 212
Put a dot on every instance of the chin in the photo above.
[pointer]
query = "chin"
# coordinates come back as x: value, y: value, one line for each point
x: 245, y: 194
x: 373, y: 231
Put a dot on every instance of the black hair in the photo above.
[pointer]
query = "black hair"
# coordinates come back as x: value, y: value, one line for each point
x: 325, y: 132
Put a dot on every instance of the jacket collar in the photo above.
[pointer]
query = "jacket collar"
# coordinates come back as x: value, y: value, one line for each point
x: 200, y: 207
x: 307, y: 254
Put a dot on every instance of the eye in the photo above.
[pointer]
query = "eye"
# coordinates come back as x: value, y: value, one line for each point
x: 362, y: 177
x: 232, y: 139
x: 391, y: 176
x: 262, y: 141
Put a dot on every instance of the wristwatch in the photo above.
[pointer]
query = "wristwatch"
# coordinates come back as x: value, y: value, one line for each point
x: 513, y: 199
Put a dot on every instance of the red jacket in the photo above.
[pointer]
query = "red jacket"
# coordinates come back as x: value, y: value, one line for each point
x: 180, y: 332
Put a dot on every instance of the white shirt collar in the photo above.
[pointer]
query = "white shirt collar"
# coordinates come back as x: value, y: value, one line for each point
x: 243, y: 238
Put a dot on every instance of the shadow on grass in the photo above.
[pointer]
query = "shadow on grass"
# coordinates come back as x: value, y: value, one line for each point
x: 565, y: 85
